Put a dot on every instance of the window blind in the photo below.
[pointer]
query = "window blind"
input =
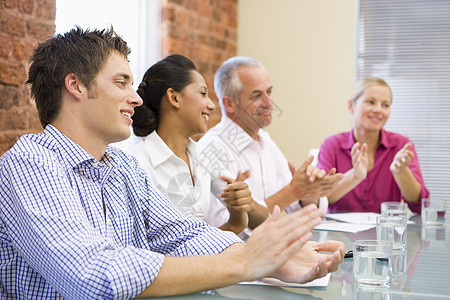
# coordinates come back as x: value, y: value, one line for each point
x: 407, y: 43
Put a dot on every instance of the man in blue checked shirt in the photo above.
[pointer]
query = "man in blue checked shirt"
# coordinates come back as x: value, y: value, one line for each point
x: 81, y: 220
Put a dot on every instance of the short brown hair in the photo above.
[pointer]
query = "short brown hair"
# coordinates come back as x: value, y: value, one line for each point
x: 78, y: 51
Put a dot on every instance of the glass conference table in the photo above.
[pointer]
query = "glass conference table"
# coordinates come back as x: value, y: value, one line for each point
x: 428, y: 272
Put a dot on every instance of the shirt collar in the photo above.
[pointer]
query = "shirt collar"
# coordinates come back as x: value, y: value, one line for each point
x: 73, y: 153
x: 349, y: 141
x: 158, y: 149
x: 235, y: 135
x: 386, y: 140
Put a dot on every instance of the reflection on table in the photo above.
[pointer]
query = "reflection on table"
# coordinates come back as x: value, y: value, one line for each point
x: 427, y: 276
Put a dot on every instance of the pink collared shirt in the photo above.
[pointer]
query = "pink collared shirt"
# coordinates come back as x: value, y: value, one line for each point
x: 379, y: 186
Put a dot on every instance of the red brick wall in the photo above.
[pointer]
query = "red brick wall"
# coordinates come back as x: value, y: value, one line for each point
x: 203, y: 30
x: 22, y: 24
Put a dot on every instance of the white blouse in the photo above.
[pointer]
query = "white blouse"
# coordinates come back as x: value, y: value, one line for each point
x: 170, y: 174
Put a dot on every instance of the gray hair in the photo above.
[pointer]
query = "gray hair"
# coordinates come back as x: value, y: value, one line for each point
x: 365, y: 83
x: 226, y: 81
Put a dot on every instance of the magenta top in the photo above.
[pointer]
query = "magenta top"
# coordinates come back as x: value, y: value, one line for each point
x: 379, y: 185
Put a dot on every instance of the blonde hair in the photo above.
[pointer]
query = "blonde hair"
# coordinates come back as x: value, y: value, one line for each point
x: 365, y: 83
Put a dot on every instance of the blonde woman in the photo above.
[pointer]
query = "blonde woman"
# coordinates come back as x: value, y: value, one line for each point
x: 379, y: 165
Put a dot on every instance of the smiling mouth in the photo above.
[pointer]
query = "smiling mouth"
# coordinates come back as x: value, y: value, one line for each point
x: 265, y: 114
x: 206, y: 116
x: 375, y: 119
x: 126, y: 114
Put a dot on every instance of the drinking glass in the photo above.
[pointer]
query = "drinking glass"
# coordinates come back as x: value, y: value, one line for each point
x: 394, y: 208
x: 372, y: 263
x: 392, y: 229
x: 399, y: 266
x: 433, y: 212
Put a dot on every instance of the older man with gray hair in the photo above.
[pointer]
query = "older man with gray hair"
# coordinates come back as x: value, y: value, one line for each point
x: 240, y: 143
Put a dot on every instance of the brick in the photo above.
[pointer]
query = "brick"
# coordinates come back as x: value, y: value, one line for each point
x: 176, y: 47
x: 168, y: 13
x: 216, y: 16
x: 182, y: 18
x: 217, y: 58
x: 12, y: 73
x: 175, y: 31
x: 11, y: 96
x: 22, y: 24
x: 16, y: 118
x: 202, y: 67
x: 46, y: 10
x: 5, y: 45
x: 204, y: 25
x: 22, y: 49
x: 232, y: 21
x: 7, y: 140
x: 41, y: 31
x: 191, y: 37
x: 193, y: 55
x: 203, y: 30
x: 204, y: 9
x: 8, y: 3
x: 3, y: 119
x: 231, y: 35
x: 26, y: 6
x: 191, y: 4
x: 203, y: 39
x: 177, y: 2
x: 12, y: 24
x: 166, y: 43
x: 216, y: 43
x: 219, y: 30
x: 192, y: 21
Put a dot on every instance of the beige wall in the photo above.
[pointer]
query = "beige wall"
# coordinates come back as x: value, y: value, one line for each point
x: 308, y: 48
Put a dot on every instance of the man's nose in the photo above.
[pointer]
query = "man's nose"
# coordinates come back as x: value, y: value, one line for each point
x: 268, y: 101
x: 135, y: 98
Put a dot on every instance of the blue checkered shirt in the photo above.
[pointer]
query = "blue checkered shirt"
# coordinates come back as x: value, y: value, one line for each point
x: 76, y: 228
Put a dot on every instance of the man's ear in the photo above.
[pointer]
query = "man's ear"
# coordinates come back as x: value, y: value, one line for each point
x: 229, y: 104
x: 173, y: 98
x: 74, y: 86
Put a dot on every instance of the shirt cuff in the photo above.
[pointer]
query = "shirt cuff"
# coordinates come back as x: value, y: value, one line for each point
x: 294, y: 206
x: 323, y: 204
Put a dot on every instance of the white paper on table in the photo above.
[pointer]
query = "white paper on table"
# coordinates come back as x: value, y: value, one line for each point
x: 275, y: 282
x: 369, y: 218
x: 342, y: 227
